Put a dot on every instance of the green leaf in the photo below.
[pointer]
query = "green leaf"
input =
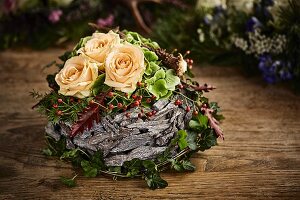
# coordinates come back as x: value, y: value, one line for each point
x: 152, y: 67
x: 47, y: 152
x: 89, y: 171
x: 171, y: 79
x: 154, y: 181
x: 149, y: 165
x: 208, y: 139
x: 160, y: 74
x: 99, y: 85
x: 176, y: 165
x: 192, y: 140
x: 133, y: 167
x: 187, y: 165
x: 182, y: 142
x: 70, y: 154
x: 158, y: 88
x: 70, y: 182
x: 203, y: 120
x: 97, y: 161
x: 150, y: 56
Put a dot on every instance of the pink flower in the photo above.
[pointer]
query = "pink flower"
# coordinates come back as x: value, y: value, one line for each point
x: 106, y: 22
x: 55, y: 15
x: 9, y: 5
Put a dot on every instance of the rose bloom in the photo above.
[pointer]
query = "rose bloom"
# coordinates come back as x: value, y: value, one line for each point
x: 77, y: 77
x: 99, y: 45
x: 124, y: 67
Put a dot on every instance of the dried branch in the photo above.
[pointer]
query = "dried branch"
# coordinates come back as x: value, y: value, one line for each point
x: 212, y: 121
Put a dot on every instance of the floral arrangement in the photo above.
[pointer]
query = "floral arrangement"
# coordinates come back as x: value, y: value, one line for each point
x: 120, y: 105
x: 261, y: 36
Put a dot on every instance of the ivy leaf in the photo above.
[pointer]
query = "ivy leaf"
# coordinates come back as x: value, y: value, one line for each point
x: 149, y: 165
x: 150, y: 56
x: 176, y: 165
x: 187, y: 165
x: 89, y: 171
x: 70, y: 182
x: 97, y: 160
x: 70, y: 154
x: 182, y: 142
x: 47, y: 152
x: 133, y: 167
x: 154, y: 181
x: 191, y: 140
x: 208, y: 139
x: 203, y: 120
x: 171, y: 79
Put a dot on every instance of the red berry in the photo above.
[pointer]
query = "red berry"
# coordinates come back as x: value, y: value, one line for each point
x: 55, y: 106
x: 134, y: 96
x: 195, y: 113
x: 60, y: 100
x: 124, y: 108
x: 148, y: 100
x: 111, y: 106
x: 188, y: 109
x: 110, y: 94
x: 71, y: 99
x: 139, y: 97
x: 190, y: 66
x: 154, y: 112
x: 153, y: 97
x: 127, y: 115
x: 136, y: 103
x: 139, y: 84
x: 91, y: 102
x: 180, y: 86
x: 126, y: 94
x: 188, y: 52
x: 59, y: 112
x: 191, y: 61
x: 140, y: 115
x: 149, y: 114
x: 178, y: 102
x: 120, y: 105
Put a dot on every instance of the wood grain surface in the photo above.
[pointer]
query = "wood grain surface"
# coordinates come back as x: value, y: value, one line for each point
x: 259, y: 159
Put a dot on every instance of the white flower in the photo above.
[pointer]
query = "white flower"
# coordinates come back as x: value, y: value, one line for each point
x: 182, y: 66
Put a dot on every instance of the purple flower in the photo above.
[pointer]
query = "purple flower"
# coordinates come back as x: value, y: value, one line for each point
x: 106, y: 22
x: 54, y: 16
x: 252, y: 24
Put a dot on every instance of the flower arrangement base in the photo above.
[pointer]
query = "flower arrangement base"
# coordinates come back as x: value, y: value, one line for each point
x: 122, y: 137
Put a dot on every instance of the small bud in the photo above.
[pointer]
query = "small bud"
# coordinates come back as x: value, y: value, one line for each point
x: 120, y: 105
x: 110, y: 94
x: 59, y: 112
x: 111, y: 106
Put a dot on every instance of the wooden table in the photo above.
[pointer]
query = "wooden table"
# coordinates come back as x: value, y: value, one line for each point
x: 260, y: 158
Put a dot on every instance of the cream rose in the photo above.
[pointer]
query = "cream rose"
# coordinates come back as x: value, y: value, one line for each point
x: 124, y: 67
x: 77, y: 77
x: 99, y: 45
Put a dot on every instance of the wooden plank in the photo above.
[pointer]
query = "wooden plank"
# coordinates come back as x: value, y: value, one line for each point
x: 259, y: 158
